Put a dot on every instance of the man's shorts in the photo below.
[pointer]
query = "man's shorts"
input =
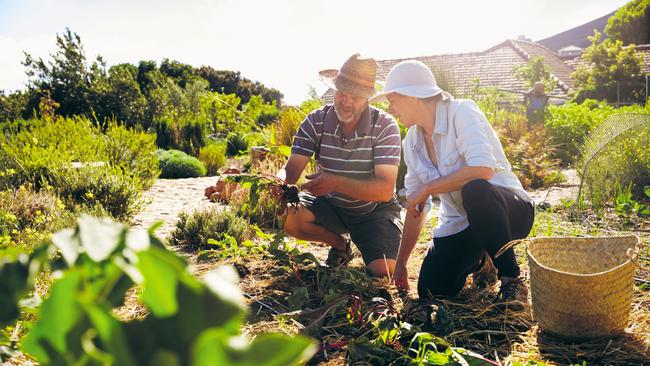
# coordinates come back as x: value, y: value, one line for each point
x: 376, y: 234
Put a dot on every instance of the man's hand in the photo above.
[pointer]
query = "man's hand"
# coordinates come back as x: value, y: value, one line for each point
x: 401, y: 276
x: 321, y: 183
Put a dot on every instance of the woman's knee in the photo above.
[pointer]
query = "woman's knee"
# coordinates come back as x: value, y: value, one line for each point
x: 429, y: 288
x: 475, y: 189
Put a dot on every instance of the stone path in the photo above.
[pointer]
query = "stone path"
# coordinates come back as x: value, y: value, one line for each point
x: 168, y: 197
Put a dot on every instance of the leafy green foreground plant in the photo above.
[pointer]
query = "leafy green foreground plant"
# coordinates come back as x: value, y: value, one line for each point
x: 191, y: 321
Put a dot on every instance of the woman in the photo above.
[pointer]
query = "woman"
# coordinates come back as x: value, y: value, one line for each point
x: 452, y: 151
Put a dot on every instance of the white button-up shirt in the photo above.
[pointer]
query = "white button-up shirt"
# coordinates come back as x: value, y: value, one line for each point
x: 462, y: 137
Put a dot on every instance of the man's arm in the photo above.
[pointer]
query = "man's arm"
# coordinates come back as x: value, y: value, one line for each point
x: 380, y: 188
x: 291, y: 171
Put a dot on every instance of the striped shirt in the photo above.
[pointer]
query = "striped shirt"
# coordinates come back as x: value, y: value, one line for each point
x: 375, y: 142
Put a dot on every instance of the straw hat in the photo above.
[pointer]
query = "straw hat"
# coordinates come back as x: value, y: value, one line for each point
x: 411, y: 78
x: 356, y: 77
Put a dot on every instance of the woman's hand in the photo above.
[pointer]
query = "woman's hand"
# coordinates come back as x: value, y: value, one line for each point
x: 415, y: 201
x: 401, y: 276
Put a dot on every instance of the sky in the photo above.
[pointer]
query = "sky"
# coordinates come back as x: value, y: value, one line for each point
x: 281, y: 43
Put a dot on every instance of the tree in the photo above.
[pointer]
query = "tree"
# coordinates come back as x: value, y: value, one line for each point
x: 12, y: 106
x: 66, y: 76
x: 125, y: 99
x: 535, y: 70
x: 231, y: 82
x: 631, y: 23
x: 606, y: 66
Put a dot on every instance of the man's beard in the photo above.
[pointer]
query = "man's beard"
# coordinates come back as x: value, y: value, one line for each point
x: 350, y: 119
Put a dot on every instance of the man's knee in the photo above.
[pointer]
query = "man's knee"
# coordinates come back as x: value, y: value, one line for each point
x: 381, y: 267
x: 295, y: 219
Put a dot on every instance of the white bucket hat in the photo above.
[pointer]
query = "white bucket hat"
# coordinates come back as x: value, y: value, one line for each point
x: 411, y: 78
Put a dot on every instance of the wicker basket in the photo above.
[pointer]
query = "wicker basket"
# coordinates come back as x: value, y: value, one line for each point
x: 582, y: 287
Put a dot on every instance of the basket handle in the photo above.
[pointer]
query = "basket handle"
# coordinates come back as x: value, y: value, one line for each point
x: 633, y: 254
x: 509, y: 245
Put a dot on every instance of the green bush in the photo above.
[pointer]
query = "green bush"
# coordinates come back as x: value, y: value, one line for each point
x: 37, y: 153
x: 213, y: 156
x: 625, y: 162
x: 194, y: 229
x: 134, y: 151
x: 237, y: 142
x: 177, y: 164
x: 187, y: 133
x: 117, y: 191
x: 109, y: 169
x: 568, y: 125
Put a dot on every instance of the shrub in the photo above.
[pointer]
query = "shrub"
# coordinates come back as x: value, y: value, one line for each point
x: 527, y: 150
x: 36, y: 154
x: 625, y: 162
x: 117, y: 165
x: 262, y: 213
x: 237, y: 142
x: 287, y: 125
x: 177, y: 164
x: 213, y: 156
x: 187, y: 133
x: 568, y: 125
x: 134, y: 151
x: 117, y: 191
x: 28, y: 218
x: 194, y: 229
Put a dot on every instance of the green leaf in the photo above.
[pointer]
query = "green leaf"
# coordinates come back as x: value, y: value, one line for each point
x: 285, y: 150
x: 57, y: 316
x: 138, y: 239
x: 222, y: 281
x: 99, y: 237
x: 111, y: 333
x: 15, y: 281
x: 160, y: 271
x: 68, y: 244
x: 646, y: 190
x: 299, y: 298
x: 277, y: 350
x: 210, y: 348
x: 215, y: 348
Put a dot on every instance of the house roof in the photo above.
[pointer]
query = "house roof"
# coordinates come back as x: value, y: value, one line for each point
x: 576, y: 36
x: 494, y: 67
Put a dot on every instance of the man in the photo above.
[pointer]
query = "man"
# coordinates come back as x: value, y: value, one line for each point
x: 536, y: 101
x: 357, y: 148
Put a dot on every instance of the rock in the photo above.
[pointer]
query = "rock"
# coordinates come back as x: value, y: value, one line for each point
x: 222, y: 190
x: 257, y: 154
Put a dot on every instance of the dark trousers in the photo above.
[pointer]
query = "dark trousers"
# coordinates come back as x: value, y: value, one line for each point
x: 496, y: 216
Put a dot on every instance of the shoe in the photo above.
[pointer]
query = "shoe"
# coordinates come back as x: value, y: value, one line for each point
x: 513, y: 294
x: 486, y: 276
x: 337, y: 258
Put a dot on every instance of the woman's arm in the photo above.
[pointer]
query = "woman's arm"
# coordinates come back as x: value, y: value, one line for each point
x: 449, y: 183
x: 413, y: 225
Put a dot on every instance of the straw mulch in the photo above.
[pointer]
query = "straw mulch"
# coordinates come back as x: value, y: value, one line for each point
x: 477, y: 323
